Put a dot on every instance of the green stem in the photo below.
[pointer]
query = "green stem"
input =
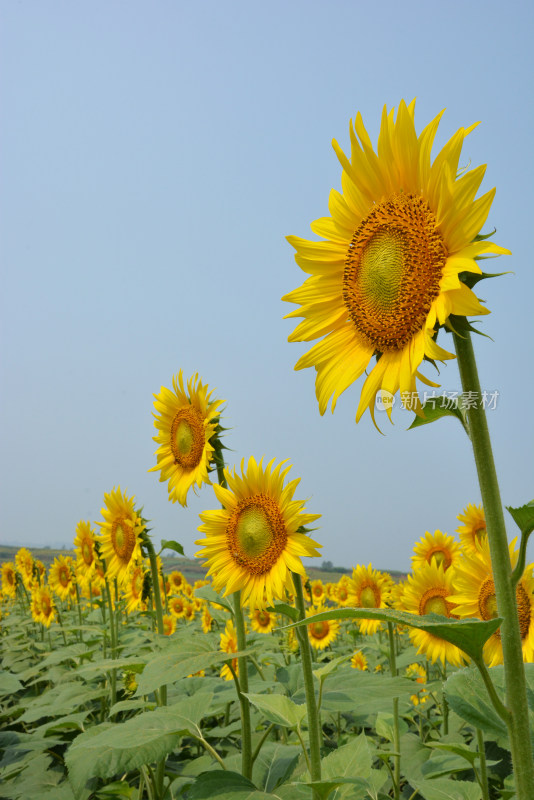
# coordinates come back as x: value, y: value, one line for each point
x: 396, y: 736
x: 521, y: 559
x: 242, y: 689
x: 266, y: 733
x: 483, y: 778
x: 514, y: 673
x: 79, y: 609
x: 314, y: 730
x: 211, y: 750
x: 147, y: 544
x: 113, y: 632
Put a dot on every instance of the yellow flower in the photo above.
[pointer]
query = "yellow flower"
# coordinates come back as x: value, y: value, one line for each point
x: 9, y: 579
x: 427, y: 592
x: 176, y: 581
x: 342, y: 591
x: 359, y: 661
x: 84, y: 545
x: 60, y: 576
x: 120, y: 534
x: 169, y: 624
x: 418, y: 673
x: 318, y: 594
x: 206, y: 620
x: 438, y: 547
x: 474, y: 595
x: 369, y: 588
x: 321, y: 634
x: 389, y: 273
x: 133, y: 587
x: 47, y: 607
x: 473, y: 529
x: 177, y: 606
x: 189, y: 611
x: 262, y: 621
x: 253, y: 543
x: 229, y: 645
x: 186, y: 421
x: 24, y: 565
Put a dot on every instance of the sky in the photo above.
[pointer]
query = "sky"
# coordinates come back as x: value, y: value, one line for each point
x: 154, y: 156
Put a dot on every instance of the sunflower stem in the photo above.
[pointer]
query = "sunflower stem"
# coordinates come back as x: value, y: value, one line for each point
x: 162, y: 692
x: 314, y: 731
x: 242, y: 689
x: 514, y: 674
x: 113, y: 632
x: 396, y: 736
x: 483, y: 777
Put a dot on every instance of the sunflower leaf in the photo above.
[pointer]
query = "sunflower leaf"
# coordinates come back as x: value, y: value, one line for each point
x: 469, y: 635
x: 523, y: 517
x: 278, y: 709
x: 448, y: 407
x: 171, y: 544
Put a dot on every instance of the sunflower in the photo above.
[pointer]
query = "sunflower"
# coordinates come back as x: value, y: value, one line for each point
x: 133, y: 587
x: 474, y: 596
x: 321, y: 634
x: 9, y: 579
x: 169, y: 624
x: 24, y: 565
x: 84, y: 545
x: 359, y: 661
x: 418, y: 673
x: 176, y: 581
x: 427, y: 592
x: 206, y: 620
x: 229, y: 645
x: 177, y: 606
x: 318, y: 594
x: 438, y: 547
x: 253, y: 543
x: 390, y: 271
x: 342, y: 591
x: 189, y: 611
x: 262, y: 621
x: 48, y: 609
x: 187, y: 421
x: 369, y: 588
x: 35, y: 603
x: 473, y: 529
x: 61, y: 576
x: 120, y: 534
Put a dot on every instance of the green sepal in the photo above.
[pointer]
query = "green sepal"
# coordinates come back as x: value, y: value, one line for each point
x: 481, y: 237
x: 472, y: 278
x: 470, y: 635
x: 461, y: 326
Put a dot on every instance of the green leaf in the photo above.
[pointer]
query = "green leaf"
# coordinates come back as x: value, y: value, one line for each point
x: 278, y: 709
x: 9, y: 683
x: 275, y: 764
x: 171, y: 544
x: 469, y: 635
x: 352, y: 760
x: 208, y: 593
x: 325, y: 789
x: 331, y: 666
x: 285, y: 609
x: 445, y: 789
x: 441, y: 407
x: 523, y: 517
x: 61, y: 700
x: 225, y: 785
x: 385, y: 725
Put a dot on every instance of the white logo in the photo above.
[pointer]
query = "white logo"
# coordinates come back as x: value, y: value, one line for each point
x: 384, y: 400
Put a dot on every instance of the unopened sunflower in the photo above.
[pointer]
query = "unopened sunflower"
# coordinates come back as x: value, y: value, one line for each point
x: 253, y: 543
x: 474, y: 596
x: 438, y: 547
x: 473, y: 529
x: 187, y: 421
x: 120, y: 534
x: 398, y: 243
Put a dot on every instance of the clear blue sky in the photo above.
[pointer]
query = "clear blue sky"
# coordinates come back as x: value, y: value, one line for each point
x: 154, y: 157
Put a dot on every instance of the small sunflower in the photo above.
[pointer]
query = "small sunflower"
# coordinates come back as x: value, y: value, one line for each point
x: 187, y: 421
x: 427, y: 591
x: 369, y: 588
x: 321, y: 634
x: 318, y: 594
x: 262, y: 621
x: 133, y: 588
x: 176, y: 581
x: 84, y: 545
x: 473, y: 529
x: 229, y: 645
x: 438, y: 547
x: 169, y: 624
x: 47, y: 607
x: 35, y: 603
x: 359, y: 661
x: 189, y: 611
x: 9, y: 579
x: 341, y: 594
x: 399, y: 240
x: 177, y: 606
x: 253, y: 543
x: 120, y: 534
x: 61, y: 576
x: 474, y: 596
x: 418, y: 673
x: 206, y: 620
x: 24, y: 564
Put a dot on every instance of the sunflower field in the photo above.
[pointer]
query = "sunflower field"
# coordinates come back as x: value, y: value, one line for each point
x: 123, y: 680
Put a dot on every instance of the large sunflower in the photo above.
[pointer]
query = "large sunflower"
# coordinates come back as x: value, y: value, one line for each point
x: 186, y: 421
x: 369, y: 588
x: 120, y: 534
x: 473, y: 529
x: 438, y: 547
x: 398, y: 240
x: 253, y: 543
x: 427, y: 592
x: 474, y: 596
